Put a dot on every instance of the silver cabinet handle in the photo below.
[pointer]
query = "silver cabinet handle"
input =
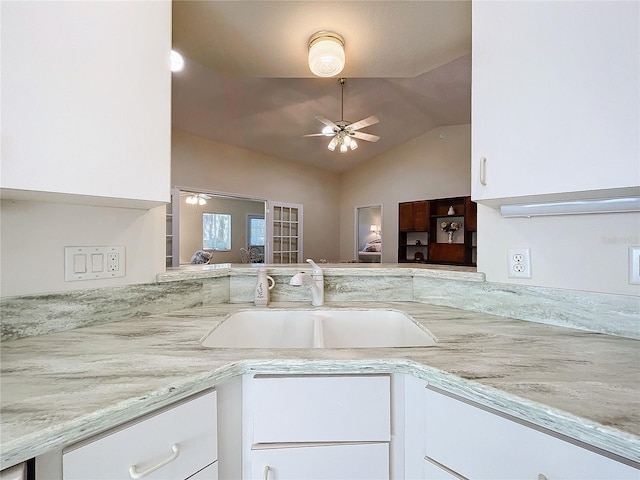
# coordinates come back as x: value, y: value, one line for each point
x: 135, y: 474
x: 483, y: 171
x: 265, y: 473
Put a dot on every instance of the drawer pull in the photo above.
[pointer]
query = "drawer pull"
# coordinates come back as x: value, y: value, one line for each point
x: 265, y: 473
x: 445, y: 468
x: 135, y: 474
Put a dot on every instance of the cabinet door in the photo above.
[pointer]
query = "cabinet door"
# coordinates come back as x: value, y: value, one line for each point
x: 182, y: 439
x: 94, y: 137
x: 405, y: 216
x: 321, y: 409
x: 421, y: 216
x: 323, y: 462
x: 551, y: 99
x: 475, y: 443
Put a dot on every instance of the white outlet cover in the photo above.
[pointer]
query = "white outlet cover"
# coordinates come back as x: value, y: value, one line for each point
x: 519, y: 263
x: 634, y: 265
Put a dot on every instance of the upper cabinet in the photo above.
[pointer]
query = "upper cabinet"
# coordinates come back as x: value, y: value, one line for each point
x: 555, y: 100
x: 86, y: 100
x: 413, y: 216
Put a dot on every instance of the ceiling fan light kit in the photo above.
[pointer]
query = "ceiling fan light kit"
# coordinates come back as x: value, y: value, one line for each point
x: 326, y: 53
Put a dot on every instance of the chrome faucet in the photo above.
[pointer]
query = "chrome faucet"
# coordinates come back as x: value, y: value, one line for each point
x: 315, y: 282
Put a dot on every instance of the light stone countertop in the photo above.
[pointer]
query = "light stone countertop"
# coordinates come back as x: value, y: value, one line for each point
x: 62, y: 387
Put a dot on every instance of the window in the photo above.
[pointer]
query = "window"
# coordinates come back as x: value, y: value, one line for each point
x: 257, y: 229
x: 216, y: 231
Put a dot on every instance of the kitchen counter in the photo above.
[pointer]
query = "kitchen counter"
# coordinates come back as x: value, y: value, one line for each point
x: 62, y: 387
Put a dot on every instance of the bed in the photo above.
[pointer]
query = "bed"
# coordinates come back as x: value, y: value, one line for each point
x: 371, y: 253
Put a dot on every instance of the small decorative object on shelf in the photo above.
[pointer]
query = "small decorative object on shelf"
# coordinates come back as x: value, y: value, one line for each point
x: 418, y: 242
x: 450, y: 227
x: 451, y: 211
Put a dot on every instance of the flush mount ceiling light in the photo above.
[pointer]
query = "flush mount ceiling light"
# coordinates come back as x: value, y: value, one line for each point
x: 326, y: 53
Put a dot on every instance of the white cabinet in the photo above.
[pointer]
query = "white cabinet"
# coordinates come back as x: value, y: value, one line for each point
x: 472, y: 442
x: 170, y: 445
x: 86, y: 100
x: 555, y: 106
x: 325, y: 427
x: 363, y: 461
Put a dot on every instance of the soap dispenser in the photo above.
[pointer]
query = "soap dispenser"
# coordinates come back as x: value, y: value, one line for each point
x: 263, y: 285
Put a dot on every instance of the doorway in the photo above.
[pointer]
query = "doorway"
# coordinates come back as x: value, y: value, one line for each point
x: 369, y: 234
x: 187, y: 222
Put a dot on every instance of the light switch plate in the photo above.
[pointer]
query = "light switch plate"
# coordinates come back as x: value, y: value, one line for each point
x: 92, y: 263
x: 634, y: 265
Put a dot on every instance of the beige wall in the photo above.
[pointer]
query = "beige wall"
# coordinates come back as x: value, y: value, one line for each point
x: 191, y: 226
x: 34, y: 235
x: 206, y: 165
x: 426, y: 167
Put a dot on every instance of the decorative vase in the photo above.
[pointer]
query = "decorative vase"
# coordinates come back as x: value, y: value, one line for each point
x: 451, y: 212
x: 450, y: 237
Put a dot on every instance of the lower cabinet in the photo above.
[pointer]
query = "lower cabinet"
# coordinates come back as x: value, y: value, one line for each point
x: 464, y: 440
x: 177, y: 443
x: 316, y: 427
x: 367, y: 461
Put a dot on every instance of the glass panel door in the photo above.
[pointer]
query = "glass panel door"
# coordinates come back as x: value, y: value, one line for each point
x: 285, y: 232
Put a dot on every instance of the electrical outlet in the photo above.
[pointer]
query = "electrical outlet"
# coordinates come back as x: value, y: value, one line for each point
x: 113, y: 262
x: 519, y: 263
x: 634, y: 265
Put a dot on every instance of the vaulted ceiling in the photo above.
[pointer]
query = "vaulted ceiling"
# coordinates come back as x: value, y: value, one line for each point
x: 246, y: 81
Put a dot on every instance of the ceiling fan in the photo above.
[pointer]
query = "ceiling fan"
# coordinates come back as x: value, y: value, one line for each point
x: 195, y: 198
x: 345, y: 133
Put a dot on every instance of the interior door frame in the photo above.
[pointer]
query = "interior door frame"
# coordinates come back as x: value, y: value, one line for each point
x: 356, y: 224
x: 175, y: 219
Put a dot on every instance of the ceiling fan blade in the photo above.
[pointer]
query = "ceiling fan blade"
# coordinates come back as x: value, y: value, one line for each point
x: 364, y: 123
x: 317, y: 135
x: 365, y: 136
x: 327, y: 122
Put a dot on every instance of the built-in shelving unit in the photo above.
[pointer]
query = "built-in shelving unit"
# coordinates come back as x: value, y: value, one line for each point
x: 427, y: 231
x: 169, y: 237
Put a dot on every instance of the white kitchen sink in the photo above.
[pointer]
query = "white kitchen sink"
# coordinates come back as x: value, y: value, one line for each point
x: 318, y: 328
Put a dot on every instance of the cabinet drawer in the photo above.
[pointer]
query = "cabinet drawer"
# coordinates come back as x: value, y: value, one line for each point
x: 478, y: 444
x: 149, y: 442
x: 327, y: 462
x: 321, y: 409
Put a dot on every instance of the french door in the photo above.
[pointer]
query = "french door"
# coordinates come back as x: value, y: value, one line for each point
x: 285, y: 233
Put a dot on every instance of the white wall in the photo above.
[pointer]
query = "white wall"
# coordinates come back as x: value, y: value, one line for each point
x: 203, y: 164
x: 86, y: 98
x: 424, y: 168
x: 34, y: 234
x: 575, y: 252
